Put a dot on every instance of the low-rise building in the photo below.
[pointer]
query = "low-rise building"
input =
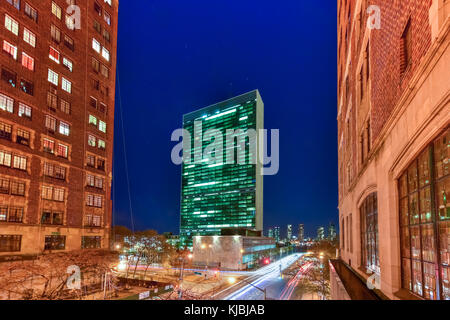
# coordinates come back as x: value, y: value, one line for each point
x: 232, y: 252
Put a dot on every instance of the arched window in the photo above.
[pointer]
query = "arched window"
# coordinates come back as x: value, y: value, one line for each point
x: 369, y: 234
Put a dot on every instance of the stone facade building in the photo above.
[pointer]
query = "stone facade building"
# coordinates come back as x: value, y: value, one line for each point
x: 58, y: 66
x: 394, y: 145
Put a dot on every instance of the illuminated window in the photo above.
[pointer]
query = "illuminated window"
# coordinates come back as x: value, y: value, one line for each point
x: 24, y: 110
x: 10, y: 49
x: 62, y: 151
x: 66, y: 85
x: 27, y: 61
x: 29, y: 37
x: 53, y: 77
x: 424, y: 208
x: 105, y: 53
x: 68, y: 64
x: 6, y: 103
x: 102, y: 126
x: 64, y: 128
x: 12, y: 25
x: 92, y: 141
x: 56, y: 10
x: 54, y: 55
x: 96, y: 45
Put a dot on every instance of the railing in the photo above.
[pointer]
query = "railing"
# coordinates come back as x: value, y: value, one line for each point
x: 355, y: 287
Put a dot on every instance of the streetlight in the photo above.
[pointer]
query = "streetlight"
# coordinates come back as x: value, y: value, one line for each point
x: 232, y: 280
x: 180, y: 292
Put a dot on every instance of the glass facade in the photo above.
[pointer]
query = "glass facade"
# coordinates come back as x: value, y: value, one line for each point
x: 215, y: 196
x: 425, y: 222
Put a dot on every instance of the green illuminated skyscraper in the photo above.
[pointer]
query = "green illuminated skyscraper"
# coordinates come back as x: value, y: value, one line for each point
x: 221, y: 195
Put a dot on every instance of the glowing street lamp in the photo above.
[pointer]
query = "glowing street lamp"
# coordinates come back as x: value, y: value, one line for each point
x: 231, y: 280
x: 122, y: 266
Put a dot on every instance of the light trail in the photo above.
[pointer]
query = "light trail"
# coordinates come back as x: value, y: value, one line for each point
x: 271, y: 271
x: 292, y: 284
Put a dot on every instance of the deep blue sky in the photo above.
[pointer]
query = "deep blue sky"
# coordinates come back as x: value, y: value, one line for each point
x: 177, y: 56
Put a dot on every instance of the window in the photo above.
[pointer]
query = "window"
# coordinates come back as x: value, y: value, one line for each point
x: 18, y: 188
x: 425, y: 221
x: 95, y: 65
x: 50, y: 123
x: 66, y: 85
x: 23, y: 137
x: 5, y: 158
x: 91, y: 242
x: 64, y: 128
x: 97, y: 27
x: 90, y: 161
x: 56, y: 10
x: 54, y: 171
x: 106, y: 35
x: 65, y: 106
x: 12, y: 25
x: 101, y: 144
x: 101, y: 164
x: 102, y: 108
x: 105, y: 53
x: 15, y: 3
x: 55, y: 242
x: 5, y: 131
x: 406, y: 48
x: 6, y: 103
x: 58, y: 194
x: 94, y: 201
x: 10, y: 243
x: 15, y: 214
x: 56, y: 34
x: 92, y: 141
x: 48, y: 145
x: 105, y: 71
x: 90, y: 180
x: 68, y: 64
x: 109, y: 2
x: 4, y: 187
x: 24, y: 111
x: 62, y: 151
x: 107, y: 18
x: 54, y: 55
x: 9, y: 77
x: 369, y: 234
x: 102, y: 126
x: 27, y: 86
x: 93, y: 221
x: 53, y: 218
x: 31, y: 12
x: 29, y: 37
x: 10, y: 49
x: 99, y: 182
x: 97, y: 8
x: 20, y: 162
x: 92, y: 120
x: 93, y: 102
x: 96, y: 45
x: 52, y: 101
x: 68, y: 42
x: 53, y: 77
x: 27, y: 61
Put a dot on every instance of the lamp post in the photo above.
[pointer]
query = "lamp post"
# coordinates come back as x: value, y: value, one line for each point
x: 180, y: 290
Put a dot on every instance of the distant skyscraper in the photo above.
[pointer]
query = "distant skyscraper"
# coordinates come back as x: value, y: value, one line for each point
x: 276, y: 233
x: 216, y: 196
x: 320, y: 233
x: 270, y: 233
x: 289, y: 231
x: 331, y: 232
x: 301, y: 232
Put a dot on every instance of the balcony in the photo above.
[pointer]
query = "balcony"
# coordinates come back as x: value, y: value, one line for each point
x: 346, y: 284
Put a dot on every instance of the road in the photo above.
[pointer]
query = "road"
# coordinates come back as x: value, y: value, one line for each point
x: 268, y: 277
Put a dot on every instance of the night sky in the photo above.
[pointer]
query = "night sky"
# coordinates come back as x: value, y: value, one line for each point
x: 178, y: 56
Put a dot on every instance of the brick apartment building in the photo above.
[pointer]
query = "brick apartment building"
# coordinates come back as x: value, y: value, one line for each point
x: 394, y: 147
x: 58, y: 66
